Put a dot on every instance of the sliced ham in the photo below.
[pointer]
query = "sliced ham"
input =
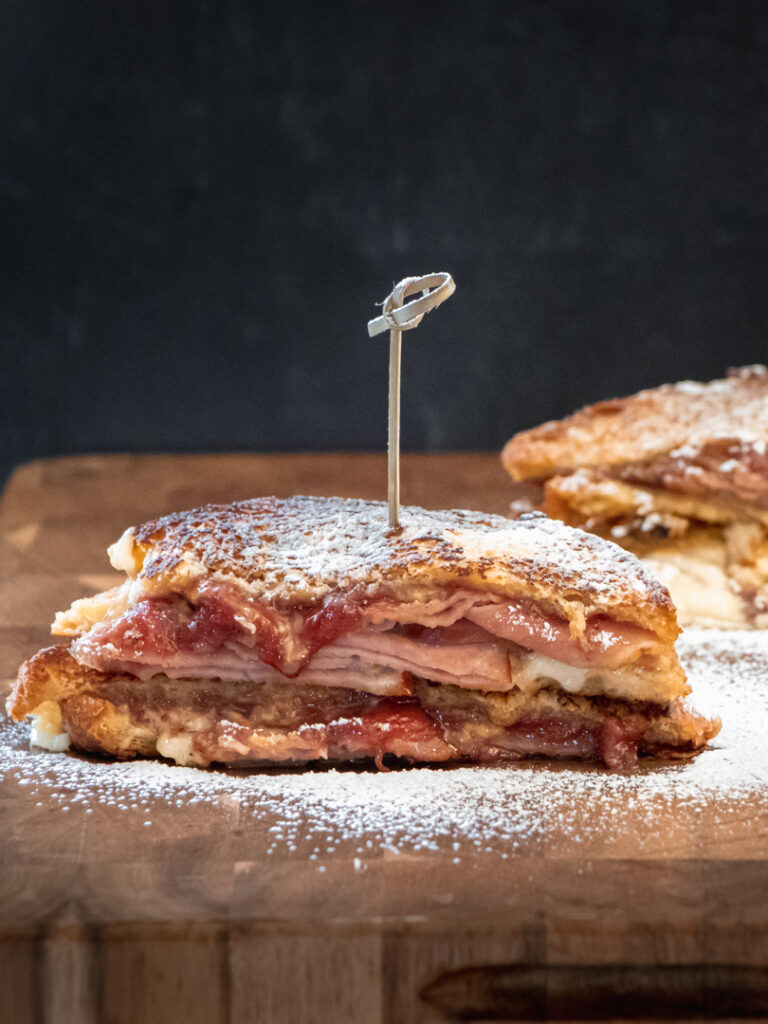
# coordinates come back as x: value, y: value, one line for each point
x: 478, y: 666
x: 608, y: 643
x: 442, y: 611
x: 468, y: 639
x: 236, y: 663
x: 373, y: 662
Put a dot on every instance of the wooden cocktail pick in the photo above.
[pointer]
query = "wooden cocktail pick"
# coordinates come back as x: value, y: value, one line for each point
x: 397, y: 315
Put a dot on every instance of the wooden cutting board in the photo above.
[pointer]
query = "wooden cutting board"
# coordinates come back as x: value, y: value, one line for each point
x: 145, y: 891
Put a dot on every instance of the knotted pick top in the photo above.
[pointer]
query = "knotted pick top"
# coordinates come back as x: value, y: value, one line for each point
x: 399, y: 315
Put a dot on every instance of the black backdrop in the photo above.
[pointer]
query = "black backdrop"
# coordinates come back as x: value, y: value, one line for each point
x: 201, y: 202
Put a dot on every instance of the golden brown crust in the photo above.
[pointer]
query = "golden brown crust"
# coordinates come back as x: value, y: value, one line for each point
x: 646, y: 425
x: 51, y: 674
x: 98, y: 727
x: 589, y: 499
x: 681, y: 727
x: 286, y: 552
x: 93, y: 724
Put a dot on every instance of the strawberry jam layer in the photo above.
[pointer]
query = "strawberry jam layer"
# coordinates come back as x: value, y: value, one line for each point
x: 159, y: 629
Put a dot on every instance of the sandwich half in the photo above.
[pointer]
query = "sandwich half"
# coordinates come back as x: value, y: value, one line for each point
x: 679, y: 476
x: 305, y: 630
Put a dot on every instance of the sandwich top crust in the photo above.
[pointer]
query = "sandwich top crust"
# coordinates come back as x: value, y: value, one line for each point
x: 687, y: 415
x: 286, y: 552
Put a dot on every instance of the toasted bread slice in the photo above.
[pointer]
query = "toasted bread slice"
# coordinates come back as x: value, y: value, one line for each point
x: 654, y: 422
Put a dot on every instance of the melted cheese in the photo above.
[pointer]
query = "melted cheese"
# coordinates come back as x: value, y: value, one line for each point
x: 122, y: 556
x: 536, y: 672
x: 47, y: 731
x: 176, y: 748
x: 538, y: 667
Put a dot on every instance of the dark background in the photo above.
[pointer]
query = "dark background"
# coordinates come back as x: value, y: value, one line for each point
x: 202, y: 201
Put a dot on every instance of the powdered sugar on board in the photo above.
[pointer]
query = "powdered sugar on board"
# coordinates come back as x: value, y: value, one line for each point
x: 699, y: 807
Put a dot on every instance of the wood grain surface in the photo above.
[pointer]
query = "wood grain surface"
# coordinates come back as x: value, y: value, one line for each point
x: 196, y: 919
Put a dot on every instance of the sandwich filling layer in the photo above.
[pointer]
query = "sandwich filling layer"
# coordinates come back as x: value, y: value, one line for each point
x: 243, y: 723
x: 469, y: 639
x: 464, y: 675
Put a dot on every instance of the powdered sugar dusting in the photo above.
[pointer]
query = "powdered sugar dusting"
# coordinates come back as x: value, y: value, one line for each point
x: 680, y: 418
x: 279, y: 549
x: 665, y: 810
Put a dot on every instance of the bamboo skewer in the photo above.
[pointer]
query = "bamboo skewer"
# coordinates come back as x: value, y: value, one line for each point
x: 398, y: 316
x: 393, y: 427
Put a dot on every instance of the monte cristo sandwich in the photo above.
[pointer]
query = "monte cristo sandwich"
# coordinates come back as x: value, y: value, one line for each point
x: 303, y: 630
x: 678, y: 475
